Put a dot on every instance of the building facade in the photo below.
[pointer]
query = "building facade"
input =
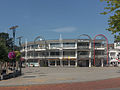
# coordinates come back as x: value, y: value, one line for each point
x: 114, y: 54
x: 67, y: 52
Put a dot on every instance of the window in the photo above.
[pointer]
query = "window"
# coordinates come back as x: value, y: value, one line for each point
x: 118, y: 44
x: 83, y: 44
x: 69, y: 53
x: 34, y: 46
x: 68, y: 44
x: 99, y: 52
x: 54, y: 53
x: 54, y: 45
x: 83, y: 53
x: 112, y: 54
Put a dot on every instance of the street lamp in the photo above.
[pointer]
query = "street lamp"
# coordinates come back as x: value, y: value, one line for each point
x: 13, y: 28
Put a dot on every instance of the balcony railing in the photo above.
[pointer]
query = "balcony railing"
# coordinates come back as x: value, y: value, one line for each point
x: 68, y: 55
x: 55, y: 47
x: 83, y: 47
x: 99, y: 46
x: 100, y: 56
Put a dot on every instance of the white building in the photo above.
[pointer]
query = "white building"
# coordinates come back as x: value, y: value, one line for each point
x: 67, y: 52
x: 114, y: 54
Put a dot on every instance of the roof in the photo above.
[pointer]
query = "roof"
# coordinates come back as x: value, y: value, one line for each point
x: 58, y: 41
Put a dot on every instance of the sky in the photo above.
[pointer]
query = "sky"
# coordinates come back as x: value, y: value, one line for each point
x: 50, y: 18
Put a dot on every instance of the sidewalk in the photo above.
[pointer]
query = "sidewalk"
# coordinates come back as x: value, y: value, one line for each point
x: 46, y: 78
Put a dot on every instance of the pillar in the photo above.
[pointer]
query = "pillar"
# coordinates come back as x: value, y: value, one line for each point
x: 55, y: 63
x: 89, y: 62
x: 48, y: 63
x: 76, y: 63
x: 101, y: 62
x: 69, y: 63
x: 61, y: 63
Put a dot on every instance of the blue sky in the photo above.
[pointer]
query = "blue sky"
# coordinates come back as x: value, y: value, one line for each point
x: 50, y: 18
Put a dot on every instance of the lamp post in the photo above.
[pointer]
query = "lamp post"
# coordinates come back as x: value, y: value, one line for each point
x: 13, y: 28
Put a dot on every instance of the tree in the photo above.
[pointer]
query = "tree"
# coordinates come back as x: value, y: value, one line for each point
x: 3, y: 53
x: 113, y: 6
x: 6, y: 40
x: 5, y: 47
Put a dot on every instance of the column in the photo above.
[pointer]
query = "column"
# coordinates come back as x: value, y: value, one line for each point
x: 48, y: 63
x: 76, y: 54
x: 55, y: 63
x: 90, y: 54
x: 101, y: 62
x: 76, y: 63
x: 39, y: 62
x: 69, y: 63
x: 89, y: 62
x: 48, y: 59
x: 26, y: 57
x: 61, y: 63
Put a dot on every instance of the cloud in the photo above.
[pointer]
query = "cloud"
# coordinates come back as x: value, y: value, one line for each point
x: 65, y: 29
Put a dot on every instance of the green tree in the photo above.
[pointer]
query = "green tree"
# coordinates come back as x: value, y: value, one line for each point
x: 6, y: 40
x: 5, y: 47
x: 3, y: 53
x: 113, y: 7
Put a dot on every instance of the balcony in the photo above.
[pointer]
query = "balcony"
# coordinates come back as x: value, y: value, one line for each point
x: 69, y: 47
x: 100, y: 56
x: 55, y: 47
x: 83, y: 47
x: 83, y: 56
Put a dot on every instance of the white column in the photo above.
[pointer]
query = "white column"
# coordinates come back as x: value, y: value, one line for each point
x: 39, y: 62
x: 49, y: 57
x: 48, y: 63
x: 101, y: 62
x: 55, y: 63
x: 30, y: 47
x: 69, y: 63
x: 76, y: 54
x: 89, y: 62
x: 61, y: 63
x: 90, y: 55
x: 26, y: 51
x: 76, y: 63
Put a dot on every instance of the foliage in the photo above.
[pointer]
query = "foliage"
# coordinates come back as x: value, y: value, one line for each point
x: 5, y: 46
x: 3, y: 53
x: 113, y: 6
x: 18, y: 55
x: 6, y: 40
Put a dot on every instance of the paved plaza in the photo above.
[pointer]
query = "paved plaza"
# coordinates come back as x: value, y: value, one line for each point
x: 56, y: 75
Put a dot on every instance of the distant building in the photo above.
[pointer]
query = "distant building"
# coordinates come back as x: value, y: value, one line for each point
x: 114, y: 54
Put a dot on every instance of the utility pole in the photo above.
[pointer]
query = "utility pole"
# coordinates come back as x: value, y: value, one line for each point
x: 13, y: 28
